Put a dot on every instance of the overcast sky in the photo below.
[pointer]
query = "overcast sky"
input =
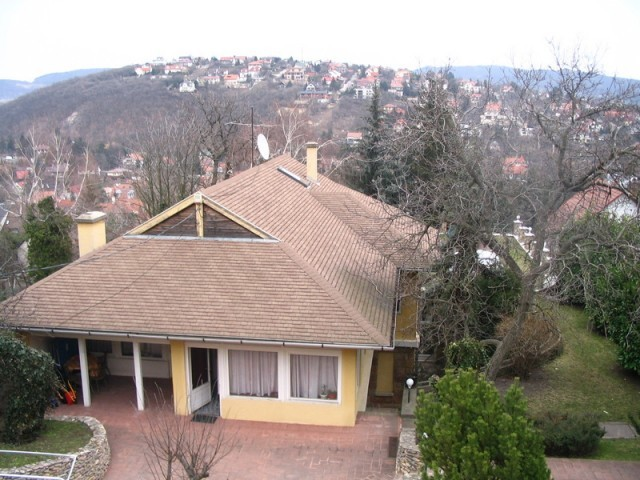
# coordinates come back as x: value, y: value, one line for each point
x: 47, y: 36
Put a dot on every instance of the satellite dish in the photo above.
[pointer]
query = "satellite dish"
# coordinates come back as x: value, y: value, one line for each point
x: 263, y: 146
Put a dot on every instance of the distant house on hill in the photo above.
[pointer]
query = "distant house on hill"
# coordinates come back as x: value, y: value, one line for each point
x: 188, y: 86
x: 514, y: 166
x: 312, y: 93
x: 232, y: 80
x: 143, y: 70
x: 354, y: 138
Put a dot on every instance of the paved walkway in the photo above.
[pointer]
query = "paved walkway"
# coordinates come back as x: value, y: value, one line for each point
x: 276, y: 451
x: 262, y: 451
x: 572, y: 469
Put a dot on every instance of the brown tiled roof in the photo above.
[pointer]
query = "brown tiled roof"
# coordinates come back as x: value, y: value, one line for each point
x: 325, y: 272
x: 595, y: 199
x: 206, y: 288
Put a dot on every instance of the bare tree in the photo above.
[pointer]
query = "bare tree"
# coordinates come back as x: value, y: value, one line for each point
x: 291, y: 132
x: 181, y: 449
x: 221, y: 122
x: 171, y: 168
x: 33, y: 155
x: 435, y: 172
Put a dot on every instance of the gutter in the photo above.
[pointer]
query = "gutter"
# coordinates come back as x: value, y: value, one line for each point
x: 186, y: 338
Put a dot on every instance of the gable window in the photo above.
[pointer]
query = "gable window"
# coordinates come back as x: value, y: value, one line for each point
x: 314, y: 376
x: 147, y: 350
x: 253, y: 373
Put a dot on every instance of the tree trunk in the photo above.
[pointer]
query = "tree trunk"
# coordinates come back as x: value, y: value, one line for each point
x: 506, y: 345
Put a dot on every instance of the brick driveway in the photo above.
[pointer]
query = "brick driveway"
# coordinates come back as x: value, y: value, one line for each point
x: 262, y: 451
x: 277, y: 451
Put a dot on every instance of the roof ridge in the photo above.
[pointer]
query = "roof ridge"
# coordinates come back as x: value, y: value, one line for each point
x: 366, y: 325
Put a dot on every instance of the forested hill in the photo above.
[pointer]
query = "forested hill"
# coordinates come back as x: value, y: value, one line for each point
x: 12, y: 89
x: 111, y: 105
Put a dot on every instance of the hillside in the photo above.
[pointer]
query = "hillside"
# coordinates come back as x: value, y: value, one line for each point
x: 111, y: 106
x: 12, y: 89
x: 96, y: 107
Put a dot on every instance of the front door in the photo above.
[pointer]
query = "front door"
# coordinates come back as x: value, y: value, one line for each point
x: 200, y: 377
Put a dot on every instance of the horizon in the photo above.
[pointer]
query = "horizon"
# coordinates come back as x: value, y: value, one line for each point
x: 38, y: 37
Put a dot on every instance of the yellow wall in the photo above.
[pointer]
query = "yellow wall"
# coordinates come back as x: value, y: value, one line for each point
x: 366, y: 361
x: 311, y: 413
x: 407, y: 317
x: 179, y: 378
x: 384, y: 376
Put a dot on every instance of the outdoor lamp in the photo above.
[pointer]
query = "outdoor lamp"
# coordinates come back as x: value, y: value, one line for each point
x: 409, y: 385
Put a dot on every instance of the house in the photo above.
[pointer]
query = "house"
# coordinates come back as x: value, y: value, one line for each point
x: 296, y: 74
x: 232, y: 80
x: 600, y: 198
x: 170, y: 68
x: 312, y: 93
x: 209, y: 80
x: 514, y: 166
x: 354, y: 138
x: 187, y: 86
x: 397, y: 87
x: 142, y: 70
x: 278, y: 293
x: 363, y: 92
x: 491, y: 114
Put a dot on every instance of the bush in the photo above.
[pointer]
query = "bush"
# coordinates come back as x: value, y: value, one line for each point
x: 538, y: 342
x: 466, y: 430
x: 601, y: 269
x: 466, y: 353
x: 27, y: 384
x: 569, y: 435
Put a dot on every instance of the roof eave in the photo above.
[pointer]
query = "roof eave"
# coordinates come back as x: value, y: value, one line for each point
x: 201, y: 338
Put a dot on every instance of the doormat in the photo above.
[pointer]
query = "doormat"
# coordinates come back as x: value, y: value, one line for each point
x: 204, y: 418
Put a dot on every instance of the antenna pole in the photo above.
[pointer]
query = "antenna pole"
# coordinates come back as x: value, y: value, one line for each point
x: 252, y: 148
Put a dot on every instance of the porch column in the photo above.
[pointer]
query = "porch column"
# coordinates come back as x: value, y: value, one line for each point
x: 137, y: 367
x: 84, y: 372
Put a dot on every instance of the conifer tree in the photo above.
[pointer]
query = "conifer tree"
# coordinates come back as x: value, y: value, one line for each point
x: 466, y: 430
x: 48, y: 233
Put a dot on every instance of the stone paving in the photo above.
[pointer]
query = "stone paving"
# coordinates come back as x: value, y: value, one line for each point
x: 262, y: 450
x: 277, y: 451
x: 618, y: 430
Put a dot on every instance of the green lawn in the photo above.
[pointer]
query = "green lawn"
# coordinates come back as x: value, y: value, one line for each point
x: 587, y: 378
x: 618, y: 449
x: 57, y: 437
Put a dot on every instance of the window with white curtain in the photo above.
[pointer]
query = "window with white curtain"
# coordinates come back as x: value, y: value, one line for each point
x: 253, y: 373
x: 314, y: 376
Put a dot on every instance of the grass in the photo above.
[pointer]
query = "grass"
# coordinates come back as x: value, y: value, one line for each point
x: 57, y: 437
x: 585, y: 378
x: 618, y: 449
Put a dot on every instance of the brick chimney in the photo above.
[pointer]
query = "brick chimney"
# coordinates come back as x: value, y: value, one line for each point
x: 312, y: 162
x: 92, y: 231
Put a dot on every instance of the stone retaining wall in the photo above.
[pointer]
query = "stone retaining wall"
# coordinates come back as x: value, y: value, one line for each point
x: 91, y: 462
x: 408, y: 460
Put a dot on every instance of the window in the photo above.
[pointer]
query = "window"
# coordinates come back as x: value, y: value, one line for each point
x: 147, y: 350
x: 253, y: 373
x: 314, y: 376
